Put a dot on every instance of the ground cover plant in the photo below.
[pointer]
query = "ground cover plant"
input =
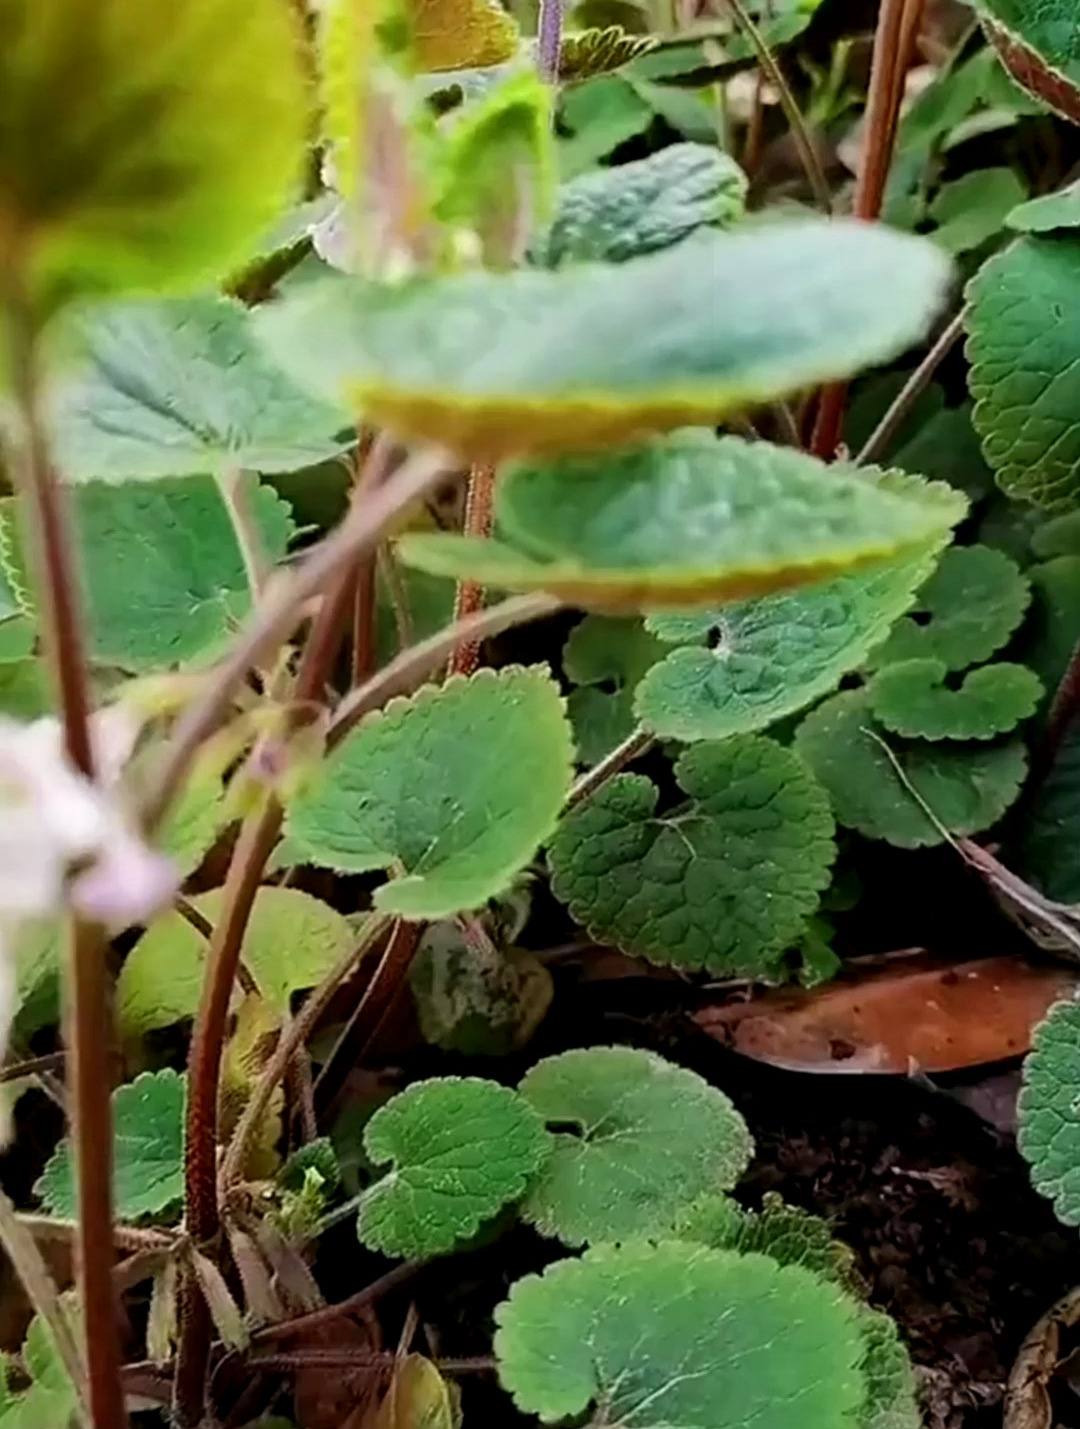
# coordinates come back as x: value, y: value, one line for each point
x: 537, y: 540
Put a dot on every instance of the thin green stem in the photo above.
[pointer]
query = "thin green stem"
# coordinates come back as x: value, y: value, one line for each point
x: 900, y: 409
x: 88, y: 1018
x: 235, y: 487
x: 633, y: 747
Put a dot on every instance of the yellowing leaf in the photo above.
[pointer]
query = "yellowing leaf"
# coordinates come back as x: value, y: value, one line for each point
x: 145, y: 146
x: 418, y: 1398
x: 253, y: 1039
x: 460, y: 34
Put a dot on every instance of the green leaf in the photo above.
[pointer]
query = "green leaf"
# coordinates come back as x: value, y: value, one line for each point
x: 1025, y: 368
x: 968, y: 788
x: 687, y: 519
x: 647, y: 1137
x: 1049, y: 1116
x: 428, y: 601
x: 725, y: 884
x: 615, y: 214
x: 458, y: 34
x: 974, y: 207
x: 461, y: 1148
x: 491, y: 365
x: 148, y: 1151
x: 50, y: 1401
x: 584, y: 54
x: 673, y: 1335
x: 24, y: 689
x: 195, y: 820
x: 179, y: 387
x: 452, y: 791
x: 911, y: 698
x: 1042, y: 215
x: 292, y: 941
x: 121, y: 177
x: 480, y: 1006
x: 968, y: 608
x: 1044, y: 841
x: 597, y: 117
x: 790, y: 1235
x: 1037, y: 43
x: 891, y: 1396
x: 605, y: 657
x: 1054, y: 625
x: 742, y: 666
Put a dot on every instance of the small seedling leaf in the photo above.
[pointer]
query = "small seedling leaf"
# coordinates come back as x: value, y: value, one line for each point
x: 672, y: 1334
x: 177, y: 387
x: 689, y: 519
x: 292, y: 941
x: 911, y: 698
x: 453, y: 789
x: 725, y: 883
x: 1025, y: 368
x: 614, y: 214
x: 461, y: 1148
x: 968, y: 787
x: 493, y: 365
x: 148, y: 1151
x: 742, y: 666
x: 1049, y: 1132
x: 647, y: 1138
x: 974, y: 600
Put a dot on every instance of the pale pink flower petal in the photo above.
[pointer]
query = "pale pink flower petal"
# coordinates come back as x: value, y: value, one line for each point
x: 129, y: 883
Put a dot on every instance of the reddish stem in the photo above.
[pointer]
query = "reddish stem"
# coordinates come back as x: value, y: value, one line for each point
x: 89, y: 1028
x: 479, y: 519
x: 894, y: 41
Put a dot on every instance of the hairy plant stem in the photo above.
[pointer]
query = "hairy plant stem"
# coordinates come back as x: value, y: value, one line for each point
x: 549, y: 39
x: 279, y: 612
x: 469, y: 596
x: 894, y: 38
x: 254, y: 846
x: 317, y: 1319
x: 633, y: 747
x: 800, y: 134
x: 88, y: 1016
x: 879, y: 439
x: 233, y: 484
x: 292, y: 1037
x: 21, y: 1249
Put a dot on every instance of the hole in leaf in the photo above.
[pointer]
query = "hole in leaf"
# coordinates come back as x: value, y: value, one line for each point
x: 714, y: 637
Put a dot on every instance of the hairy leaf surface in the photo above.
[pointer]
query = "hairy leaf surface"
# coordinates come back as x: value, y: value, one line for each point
x: 1049, y: 1134
x: 725, y: 883
x: 461, y: 1149
x: 647, y: 1138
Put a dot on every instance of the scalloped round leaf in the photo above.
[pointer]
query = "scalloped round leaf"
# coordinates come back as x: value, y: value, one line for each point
x: 453, y: 790
x: 461, y: 1148
x: 174, y: 387
x: 790, y: 1235
x: 672, y: 1334
x: 492, y: 365
x: 148, y: 1151
x: 602, y: 49
x: 161, y: 570
x: 610, y: 215
x: 912, y: 698
x: 685, y: 519
x: 891, y: 1400
x: 967, y: 609
x: 1049, y: 1115
x: 1036, y: 41
x: 967, y: 787
x: 725, y: 883
x: 1025, y: 368
x: 122, y: 177
x: 745, y: 665
x: 292, y: 942
x: 647, y: 1138
x: 605, y: 657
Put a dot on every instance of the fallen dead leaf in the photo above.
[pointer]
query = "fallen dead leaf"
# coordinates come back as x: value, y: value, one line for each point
x: 910, y: 1014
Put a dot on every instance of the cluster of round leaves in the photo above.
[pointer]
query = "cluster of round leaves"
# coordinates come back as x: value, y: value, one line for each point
x: 916, y: 752
x: 748, y: 1314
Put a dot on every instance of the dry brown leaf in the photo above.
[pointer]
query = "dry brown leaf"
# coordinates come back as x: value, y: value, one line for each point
x: 911, y: 1014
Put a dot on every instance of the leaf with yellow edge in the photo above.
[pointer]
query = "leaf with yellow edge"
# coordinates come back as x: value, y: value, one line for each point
x: 418, y: 1398
x: 688, y: 519
x: 494, y: 365
x: 145, y: 146
x: 292, y: 940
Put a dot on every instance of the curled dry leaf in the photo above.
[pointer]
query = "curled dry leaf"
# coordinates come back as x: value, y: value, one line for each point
x: 913, y: 1013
